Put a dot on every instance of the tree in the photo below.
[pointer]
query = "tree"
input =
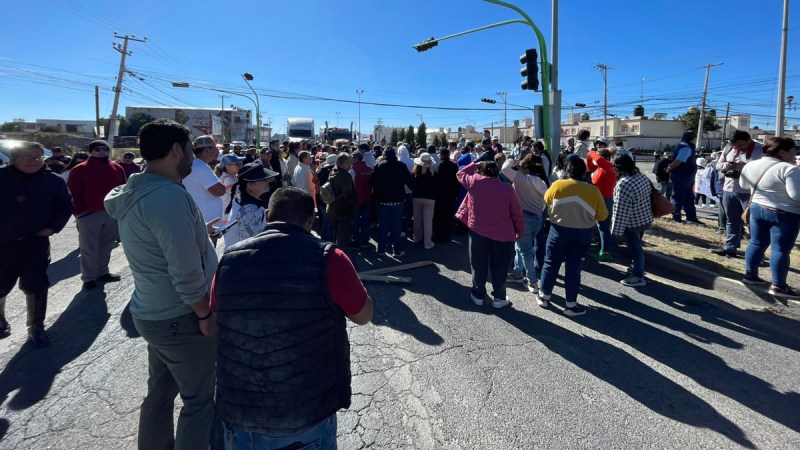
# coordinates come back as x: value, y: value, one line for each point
x: 401, y: 136
x: 410, y: 138
x: 422, y: 134
x: 443, y: 139
x: 181, y: 117
x: 692, y: 117
x: 135, y: 123
x: 50, y: 129
x: 395, y: 137
x: 436, y: 142
x: 10, y: 126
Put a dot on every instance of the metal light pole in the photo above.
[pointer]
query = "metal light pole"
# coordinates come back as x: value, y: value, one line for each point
x: 247, y: 79
x: 556, y: 146
x: 544, y: 67
x: 505, y: 113
x: 604, y: 70
x: 359, y: 92
x: 782, y: 71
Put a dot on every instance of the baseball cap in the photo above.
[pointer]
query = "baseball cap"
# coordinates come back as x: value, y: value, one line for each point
x: 229, y: 159
x: 205, y: 141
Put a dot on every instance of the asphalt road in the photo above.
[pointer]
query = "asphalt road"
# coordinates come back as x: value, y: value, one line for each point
x: 667, y: 366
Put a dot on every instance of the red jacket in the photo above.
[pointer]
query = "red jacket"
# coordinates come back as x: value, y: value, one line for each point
x: 90, y: 181
x: 363, y: 189
x: 603, y: 175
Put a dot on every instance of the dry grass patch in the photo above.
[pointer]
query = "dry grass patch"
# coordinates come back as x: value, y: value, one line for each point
x: 691, y: 243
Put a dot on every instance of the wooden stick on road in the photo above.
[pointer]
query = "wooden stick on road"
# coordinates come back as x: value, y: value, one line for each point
x: 386, y: 270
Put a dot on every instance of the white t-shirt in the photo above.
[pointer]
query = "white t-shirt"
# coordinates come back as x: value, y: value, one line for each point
x: 197, y: 184
x: 228, y: 181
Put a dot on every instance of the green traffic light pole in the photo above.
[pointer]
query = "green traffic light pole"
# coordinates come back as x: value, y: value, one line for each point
x: 545, y: 65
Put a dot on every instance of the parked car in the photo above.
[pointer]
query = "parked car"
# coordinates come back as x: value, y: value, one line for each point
x: 6, y: 145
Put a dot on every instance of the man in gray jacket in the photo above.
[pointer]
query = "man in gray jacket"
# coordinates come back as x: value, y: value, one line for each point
x: 173, y: 262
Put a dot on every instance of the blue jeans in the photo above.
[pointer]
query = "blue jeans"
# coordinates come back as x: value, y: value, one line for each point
x: 778, y: 229
x: 326, y: 227
x: 734, y: 207
x: 567, y: 246
x: 526, y: 246
x: 390, y: 219
x: 321, y: 435
x: 683, y: 198
x: 604, y: 227
x: 665, y: 189
x: 361, y: 224
x: 633, y: 239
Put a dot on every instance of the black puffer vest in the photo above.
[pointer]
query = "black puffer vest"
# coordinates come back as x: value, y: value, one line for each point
x: 284, y: 357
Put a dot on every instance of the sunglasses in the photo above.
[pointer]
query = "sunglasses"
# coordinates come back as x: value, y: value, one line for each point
x: 100, y: 149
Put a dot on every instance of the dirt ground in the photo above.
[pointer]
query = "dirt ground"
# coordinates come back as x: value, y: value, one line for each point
x: 691, y: 243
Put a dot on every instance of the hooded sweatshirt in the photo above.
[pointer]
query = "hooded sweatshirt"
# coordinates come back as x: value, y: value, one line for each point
x: 404, y: 157
x: 166, y: 243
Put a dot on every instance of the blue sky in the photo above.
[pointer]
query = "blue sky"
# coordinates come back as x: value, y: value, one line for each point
x: 54, y: 54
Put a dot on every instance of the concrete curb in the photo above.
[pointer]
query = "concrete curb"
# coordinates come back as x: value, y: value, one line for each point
x: 754, y: 295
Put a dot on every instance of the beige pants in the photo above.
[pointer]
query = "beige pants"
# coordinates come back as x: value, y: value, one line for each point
x: 423, y: 221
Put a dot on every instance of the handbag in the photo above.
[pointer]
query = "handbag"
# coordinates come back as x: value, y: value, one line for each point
x: 746, y: 212
x: 660, y: 205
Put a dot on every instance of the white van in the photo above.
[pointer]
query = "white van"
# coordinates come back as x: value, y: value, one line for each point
x: 299, y: 129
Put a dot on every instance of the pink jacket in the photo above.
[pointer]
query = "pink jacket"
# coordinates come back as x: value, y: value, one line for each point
x: 491, y: 207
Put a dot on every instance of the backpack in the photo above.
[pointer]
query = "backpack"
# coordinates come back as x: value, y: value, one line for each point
x: 326, y: 193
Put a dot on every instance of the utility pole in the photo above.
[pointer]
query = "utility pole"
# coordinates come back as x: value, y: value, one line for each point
x: 337, y: 119
x: 359, y: 92
x: 97, y: 110
x: 123, y: 49
x: 782, y: 71
x: 725, y: 125
x: 555, y: 122
x: 222, y: 98
x: 703, y: 105
x: 604, y: 70
x: 505, y: 113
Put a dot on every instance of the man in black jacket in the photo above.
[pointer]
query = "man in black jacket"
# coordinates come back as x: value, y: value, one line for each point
x: 662, y: 176
x: 388, y: 183
x: 36, y: 204
x: 283, y: 366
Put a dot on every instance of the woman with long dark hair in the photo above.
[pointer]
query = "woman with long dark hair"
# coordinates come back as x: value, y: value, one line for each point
x: 77, y: 158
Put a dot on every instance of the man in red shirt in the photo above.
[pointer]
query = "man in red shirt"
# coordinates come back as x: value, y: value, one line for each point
x: 283, y: 366
x: 89, y: 182
x: 604, y: 178
x: 361, y: 174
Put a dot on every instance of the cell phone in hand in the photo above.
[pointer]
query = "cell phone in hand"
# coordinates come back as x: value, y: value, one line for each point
x: 223, y: 229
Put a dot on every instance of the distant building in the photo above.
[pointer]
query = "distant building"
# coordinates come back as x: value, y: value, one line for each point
x: 83, y: 127
x: 637, y: 132
x: 229, y: 125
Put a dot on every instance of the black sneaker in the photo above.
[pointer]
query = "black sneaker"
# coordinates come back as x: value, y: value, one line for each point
x: 722, y: 251
x: 748, y: 279
x: 109, y: 278
x: 576, y: 310
x: 38, y: 338
x: 784, y: 292
x: 89, y: 285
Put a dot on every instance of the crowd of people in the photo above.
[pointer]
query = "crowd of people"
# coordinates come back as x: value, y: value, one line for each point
x: 526, y: 213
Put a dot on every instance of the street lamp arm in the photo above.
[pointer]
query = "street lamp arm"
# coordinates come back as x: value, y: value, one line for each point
x: 186, y: 85
x: 487, y: 27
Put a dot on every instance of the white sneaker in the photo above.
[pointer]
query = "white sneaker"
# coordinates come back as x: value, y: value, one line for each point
x: 532, y: 287
x: 498, y: 303
x: 542, y: 299
x: 633, y: 281
x: 476, y: 300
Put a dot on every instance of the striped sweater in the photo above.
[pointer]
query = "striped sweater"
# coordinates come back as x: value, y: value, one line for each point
x: 575, y: 204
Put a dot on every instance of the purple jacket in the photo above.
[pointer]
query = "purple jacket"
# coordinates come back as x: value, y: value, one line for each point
x: 491, y: 207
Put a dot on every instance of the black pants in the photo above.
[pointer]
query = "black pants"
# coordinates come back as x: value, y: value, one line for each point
x: 25, y: 260
x: 443, y: 218
x: 489, y: 260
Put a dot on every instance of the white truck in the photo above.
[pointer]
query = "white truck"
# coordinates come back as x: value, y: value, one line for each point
x: 299, y: 129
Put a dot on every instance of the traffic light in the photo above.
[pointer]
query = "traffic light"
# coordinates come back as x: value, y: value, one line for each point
x: 426, y: 44
x: 531, y: 70
x: 488, y: 100
x: 580, y: 105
